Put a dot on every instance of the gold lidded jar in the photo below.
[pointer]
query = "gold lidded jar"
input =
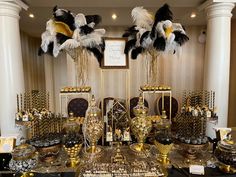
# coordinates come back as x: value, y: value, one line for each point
x: 93, y: 126
x: 226, y: 155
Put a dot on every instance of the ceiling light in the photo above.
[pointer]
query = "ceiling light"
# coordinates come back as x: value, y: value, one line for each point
x: 31, y: 15
x: 114, y: 16
x: 193, y: 15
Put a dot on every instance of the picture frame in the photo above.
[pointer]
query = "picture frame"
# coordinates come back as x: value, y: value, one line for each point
x: 114, y: 56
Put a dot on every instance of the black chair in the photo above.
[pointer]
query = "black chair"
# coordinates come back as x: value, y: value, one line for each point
x: 133, y: 103
x: 78, y: 106
x: 174, y: 106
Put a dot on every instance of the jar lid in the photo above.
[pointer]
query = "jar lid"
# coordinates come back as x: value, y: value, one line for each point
x: 23, y: 151
x: 228, y: 145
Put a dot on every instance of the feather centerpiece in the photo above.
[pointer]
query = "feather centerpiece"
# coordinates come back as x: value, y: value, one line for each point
x: 154, y: 35
x: 74, y: 34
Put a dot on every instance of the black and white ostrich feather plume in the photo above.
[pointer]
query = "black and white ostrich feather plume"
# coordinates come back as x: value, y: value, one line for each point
x: 158, y: 33
x: 66, y: 31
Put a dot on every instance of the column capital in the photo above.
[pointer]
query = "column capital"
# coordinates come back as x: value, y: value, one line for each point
x: 12, y: 8
x: 218, y: 8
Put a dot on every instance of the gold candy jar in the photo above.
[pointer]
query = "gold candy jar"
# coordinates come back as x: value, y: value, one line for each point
x: 141, y: 127
x: 72, y: 141
x: 93, y: 127
x: 226, y: 155
x: 163, y: 140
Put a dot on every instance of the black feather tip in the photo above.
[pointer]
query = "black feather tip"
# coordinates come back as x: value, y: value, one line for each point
x: 93, y: 18
x: 129, y: 45
x: 135, y: 52
x: 97, y: 54
x: 64, y: 16
x: 160, y: 44
x: 164, y: 13
x: 180, y: 38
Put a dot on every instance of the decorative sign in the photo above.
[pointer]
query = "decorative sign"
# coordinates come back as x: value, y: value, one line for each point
x: 114, y: 56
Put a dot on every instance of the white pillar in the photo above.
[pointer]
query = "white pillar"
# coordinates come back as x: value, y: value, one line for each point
x: 11, y: 68
x: 217, y: 58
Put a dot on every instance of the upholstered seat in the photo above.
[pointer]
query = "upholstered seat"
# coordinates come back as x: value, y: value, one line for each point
x: 174, y: 106
x: 78, y: 107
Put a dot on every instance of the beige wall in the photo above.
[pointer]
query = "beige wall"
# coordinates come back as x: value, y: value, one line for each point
x: 232, y: 88
x: 182, y: 72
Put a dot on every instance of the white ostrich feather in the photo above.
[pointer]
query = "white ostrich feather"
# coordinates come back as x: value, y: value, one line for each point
x: 69, y: 44
x: 178, y: 27
x: 50, y: 27
x: 160, y: 29
x: 147, y: 43
x: 46, y: 39
x: 93, y: 39
x: 80, y: 20
x: 76, y: 34
x: 142, y: 18
x: 91, y: 25
x: 56, y: 49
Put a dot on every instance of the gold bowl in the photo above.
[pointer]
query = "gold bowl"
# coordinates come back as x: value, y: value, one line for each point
x: 49, y: 154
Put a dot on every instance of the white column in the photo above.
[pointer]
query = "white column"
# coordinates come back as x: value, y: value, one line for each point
x: 217, y: 58
x: 11, y: 68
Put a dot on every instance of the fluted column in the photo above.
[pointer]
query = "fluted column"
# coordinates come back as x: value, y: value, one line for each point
x: 11, y: 68
x: 217, y: 58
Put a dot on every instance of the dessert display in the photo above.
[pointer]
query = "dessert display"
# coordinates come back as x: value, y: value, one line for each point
x: 226, y: 154
x: 155, y: 88
x: 163, y: 140
x: 24, y: 158
x: 141, y: 127
x: 72, y: 140
x: 75, y: 89
x: 48, y: 146
x: 93, y: 128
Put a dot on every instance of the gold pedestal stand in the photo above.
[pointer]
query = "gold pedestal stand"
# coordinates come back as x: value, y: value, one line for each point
x: 73, y: 155
x: 140, y: 147
x: 27, y: 174
x: 164, y: 150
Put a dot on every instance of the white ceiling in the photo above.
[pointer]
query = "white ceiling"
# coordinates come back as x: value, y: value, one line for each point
x: 42, y: 9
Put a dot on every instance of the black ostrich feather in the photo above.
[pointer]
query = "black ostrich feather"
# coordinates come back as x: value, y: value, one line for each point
x: 162, y: 14
x: 130, y: 32
x: 93, y: 18
x: 159, y: 44
x: 129, y: 45
x: 49, y: 51
x: 144, y: 36
x: 180, y: 38
x: 64, y: 16
x: 135, y: 52
x: 84, y: 30
x: 61, y: 38
x: 96, y: 52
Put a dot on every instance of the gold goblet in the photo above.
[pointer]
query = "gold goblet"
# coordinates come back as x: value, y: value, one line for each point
x: 73, y: 155
x: 164, y: 150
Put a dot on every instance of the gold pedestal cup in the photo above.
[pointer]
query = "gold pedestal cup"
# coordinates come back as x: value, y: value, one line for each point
x: 164, y: 150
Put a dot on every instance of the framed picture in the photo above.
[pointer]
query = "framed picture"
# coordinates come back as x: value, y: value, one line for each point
x: 114, y: 56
